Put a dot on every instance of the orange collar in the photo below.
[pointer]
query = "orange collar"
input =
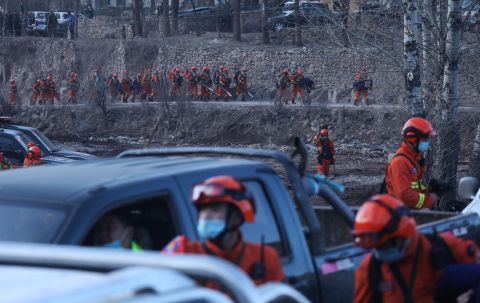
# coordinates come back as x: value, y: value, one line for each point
x: 409, y: 151
x: 228, y: 255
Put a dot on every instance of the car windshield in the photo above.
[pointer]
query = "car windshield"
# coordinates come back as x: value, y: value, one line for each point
x: 29, y: 224
x: 40, y: 136
x: 22, y: 138
x: 288, y: 7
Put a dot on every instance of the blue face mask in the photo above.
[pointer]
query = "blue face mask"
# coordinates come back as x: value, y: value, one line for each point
x: 210, y: 229
x: 388, y: 255
x: 114, y: 244
x: 422, y: 146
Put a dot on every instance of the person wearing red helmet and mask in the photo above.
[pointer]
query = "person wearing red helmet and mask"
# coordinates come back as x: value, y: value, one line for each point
x: 298, y: 89
x: 224, y: 205
x: 34, y: 155
x: 404, y: 173
x: 326, y: 152
x: 404, y: 266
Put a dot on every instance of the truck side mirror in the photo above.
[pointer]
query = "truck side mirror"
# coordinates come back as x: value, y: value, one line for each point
x: 468, y: 187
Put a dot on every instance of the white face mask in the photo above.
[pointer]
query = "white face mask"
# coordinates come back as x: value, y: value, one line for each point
x: 423, y: 146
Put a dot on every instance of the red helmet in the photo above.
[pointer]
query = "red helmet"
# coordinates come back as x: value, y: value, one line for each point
x: 30, y: 144
x: 177, y: 69
x: 2, y: 158
x: 416, y: 128
x: 194, y: 68
x: 114, y: 76
x: 285, y: 71
x: 126, y: 72
x: 380, y: 219
x: 224, y: 189
x: 206, y: 69
x: 324, y: 132
x: 34, y: 152
x: 12, y: 81
x: 300, y: 72
x: 225, y: 70
x: 72, y: 74
x: 49, y: 77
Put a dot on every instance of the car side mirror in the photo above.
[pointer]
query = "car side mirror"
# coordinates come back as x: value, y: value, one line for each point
x: 468, y: 187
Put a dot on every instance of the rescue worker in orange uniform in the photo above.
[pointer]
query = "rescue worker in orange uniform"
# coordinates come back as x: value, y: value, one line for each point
x: 35, y: 91
x: 190, y: 77
x: 114, y: 87
x: 91, y: 86
x: 404, y: 173
x: 326, y: 152
x: 33, y: 156
x: 147, y: 90
x: 176, y: 81
x: 404, y: 266
x: 223, y: 205
x: 156, y: 83
x: 224, y: 82
x: 12, y: 92
x: 73, y: 87
x: 44, y: 92
x: 241, y: 85
x: 52, y: 88
x: 282, y: 87
x: 359, y: 87
x: 298, y: 89
x: 126, y: 87
x: 204, y: 81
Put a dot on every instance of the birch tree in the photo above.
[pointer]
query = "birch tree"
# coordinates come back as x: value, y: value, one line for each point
x: 413, y: 81
x: 450, y: 126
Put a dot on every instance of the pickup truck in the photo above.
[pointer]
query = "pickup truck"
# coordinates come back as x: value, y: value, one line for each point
x: 50, y: 153
x: 63, y: 203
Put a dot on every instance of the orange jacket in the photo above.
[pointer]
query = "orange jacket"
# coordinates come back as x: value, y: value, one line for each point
x: 244, y: 255
x: 404, y: 180
x: 426, y: 278
x: 32, y: 162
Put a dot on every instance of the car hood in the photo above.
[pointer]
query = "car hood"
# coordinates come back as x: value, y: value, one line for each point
x: 51, y: 159
x: 73, y: 155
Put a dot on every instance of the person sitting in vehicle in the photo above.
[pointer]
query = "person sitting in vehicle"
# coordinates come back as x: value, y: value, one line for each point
x: 223, y: 205
x: 5, y: 163
x: 33, y: 156
x: 115, y: 231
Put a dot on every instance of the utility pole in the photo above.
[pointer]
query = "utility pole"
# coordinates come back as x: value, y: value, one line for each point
x: 237, y: 31
x: 265, y: 34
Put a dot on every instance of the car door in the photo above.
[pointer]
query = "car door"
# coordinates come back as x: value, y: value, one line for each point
x: 12, y: 150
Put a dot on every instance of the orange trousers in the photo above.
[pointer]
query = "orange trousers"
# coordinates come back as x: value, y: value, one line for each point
x: 358, y: 95
x: 323, y: 167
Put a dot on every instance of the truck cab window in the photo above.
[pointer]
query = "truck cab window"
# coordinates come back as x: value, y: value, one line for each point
x: 265, y: 222
x: 142, y: 225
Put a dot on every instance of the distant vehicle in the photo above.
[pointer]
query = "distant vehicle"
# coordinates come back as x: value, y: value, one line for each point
x: 471, y: 17
x: 14, y: 138
x: 80, y: 275
x: 311, y: 12
x: 62, y: 28
x: 202, y: 10
x: 37, y: 23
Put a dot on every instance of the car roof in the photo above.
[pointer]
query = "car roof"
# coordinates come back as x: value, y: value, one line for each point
x: 10, y: 131
x: 59, y: 183
x: 15, y: 127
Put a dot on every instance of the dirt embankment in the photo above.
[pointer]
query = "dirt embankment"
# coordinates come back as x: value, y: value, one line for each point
x: 364, y: 138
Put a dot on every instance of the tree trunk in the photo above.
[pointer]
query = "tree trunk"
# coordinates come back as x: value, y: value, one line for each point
x: 166, y: 19
x: 75, y: 29
x: 197, y: 20
x: 450, y: 130
x: 265, y: 33
x: 428, y: 53
x: 237, y: 31
x: 298, y: 30
x: 175, y: 5
x: 346, y: 14
x: 474, y: 167
x: 138, y: 18
x: 441, y: 24
x: 413, y: 81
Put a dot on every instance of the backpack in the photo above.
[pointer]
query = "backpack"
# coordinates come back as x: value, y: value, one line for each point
x: 441, y: 256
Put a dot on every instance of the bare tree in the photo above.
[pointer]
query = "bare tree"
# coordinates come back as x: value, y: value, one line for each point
x: 197, y: 19
x: 138, y: 17
x: 175, y: 6
x: 166, y: 20
x: 428, y: 54
x: 450, y: 130
x: 237, y: 31
x: 265, y: 34
x: 474, y: 169
x: 413, y: 81
x: 298, y: 30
